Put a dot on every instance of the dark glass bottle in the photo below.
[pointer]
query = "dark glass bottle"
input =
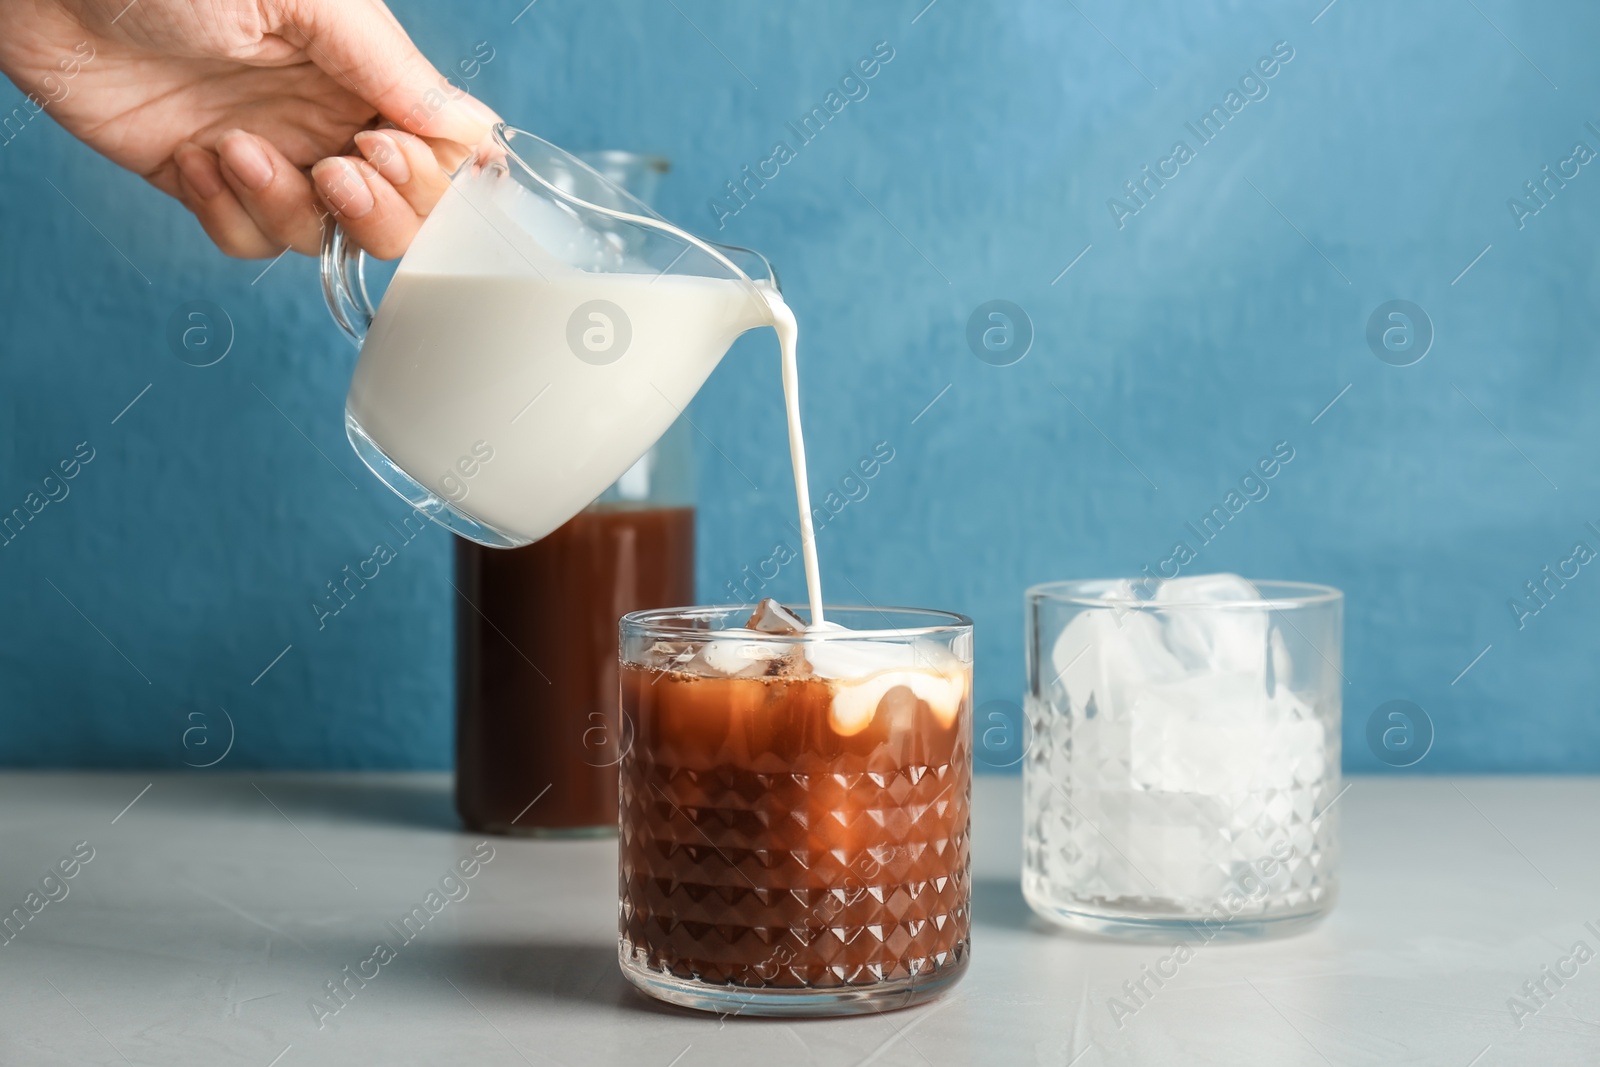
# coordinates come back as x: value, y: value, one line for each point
x: 539, y: 731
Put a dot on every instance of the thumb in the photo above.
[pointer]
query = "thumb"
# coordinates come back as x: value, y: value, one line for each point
x: 361, y: 45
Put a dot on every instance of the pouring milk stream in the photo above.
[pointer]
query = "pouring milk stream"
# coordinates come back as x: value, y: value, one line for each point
x: 542, y: 332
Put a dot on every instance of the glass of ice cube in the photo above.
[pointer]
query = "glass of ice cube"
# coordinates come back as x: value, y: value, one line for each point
x: 1183, y: 760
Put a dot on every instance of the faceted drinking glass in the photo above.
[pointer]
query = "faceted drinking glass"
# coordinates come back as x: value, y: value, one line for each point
x: 795, y: 810
x: 1184, y: 756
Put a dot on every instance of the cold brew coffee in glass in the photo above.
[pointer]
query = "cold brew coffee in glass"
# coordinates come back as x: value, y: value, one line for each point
x: 795, y: 808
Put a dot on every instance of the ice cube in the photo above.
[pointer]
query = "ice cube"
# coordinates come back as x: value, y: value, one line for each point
x: 739, y: 652
x: 667, y: 655
x: 1185, y: 727
x: 1222, y: 735
x: 1280, y: 672
x: 1184, y: 700
x: 1133, y: 653
x: 1228, y: 639
x: 771, y: 617
x: 1206, y: 589
x: 1075, y: 658
x: 1101, y: 655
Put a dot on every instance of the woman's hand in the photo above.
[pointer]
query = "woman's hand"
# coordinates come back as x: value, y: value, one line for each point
x: 242, y: 110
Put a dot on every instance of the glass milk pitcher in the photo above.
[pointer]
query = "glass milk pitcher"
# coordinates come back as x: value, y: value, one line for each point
x: 543, y: 331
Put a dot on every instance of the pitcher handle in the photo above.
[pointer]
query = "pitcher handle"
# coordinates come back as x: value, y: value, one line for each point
x: 344, y: 283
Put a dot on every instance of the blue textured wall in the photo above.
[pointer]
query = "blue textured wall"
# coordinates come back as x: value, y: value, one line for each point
x: 1218, y: 320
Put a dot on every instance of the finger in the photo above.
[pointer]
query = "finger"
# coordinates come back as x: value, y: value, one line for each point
x: 204, y: 192
x: 372, y: 213
x: 273, y: 190
x: 449, y: 154
x: 408, y: 164
x: 362, y: 46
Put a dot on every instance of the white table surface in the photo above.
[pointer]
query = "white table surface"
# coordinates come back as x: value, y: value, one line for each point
x: 210, y: 916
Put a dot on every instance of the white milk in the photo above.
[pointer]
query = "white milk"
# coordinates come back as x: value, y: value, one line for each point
x: 468, y: 381
x: 788, y: 340
x: 453, y: 361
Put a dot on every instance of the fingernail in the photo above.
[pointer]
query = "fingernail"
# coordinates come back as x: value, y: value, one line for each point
x: 243, y: 155
x: 382, y: 152
x: 199, y: 169
x: 342, y: 186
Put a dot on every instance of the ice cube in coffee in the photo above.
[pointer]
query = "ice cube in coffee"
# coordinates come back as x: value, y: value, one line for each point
x: 795, y: 808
